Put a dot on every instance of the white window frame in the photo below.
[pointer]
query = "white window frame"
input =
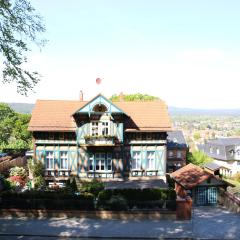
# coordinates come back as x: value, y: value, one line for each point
x: 137, y: 157
x: 65, y: 157
x: 49, y: 156
x: 100, y: 159
x: 100, y: 128
x: 179, y: 154
x: 109, y: 162
x: 211, y: 149
x: 170, y: 154
x: 91, y: 160
x: 151, y: 160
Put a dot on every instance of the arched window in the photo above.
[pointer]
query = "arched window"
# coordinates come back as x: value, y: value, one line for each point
x: 100, y: 108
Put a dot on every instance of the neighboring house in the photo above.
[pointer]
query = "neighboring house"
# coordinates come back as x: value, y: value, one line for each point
x: 201, y: 185
x: 177, y: 149
x: 100, y: 138
x: 216, y: 169
x: 225, y: 152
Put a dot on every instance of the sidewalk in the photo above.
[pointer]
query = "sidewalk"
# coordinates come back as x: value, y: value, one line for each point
x: 207, y: 223
x: 96, y: 228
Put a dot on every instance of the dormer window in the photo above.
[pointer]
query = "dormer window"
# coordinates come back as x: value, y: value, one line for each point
x: 100, y: 128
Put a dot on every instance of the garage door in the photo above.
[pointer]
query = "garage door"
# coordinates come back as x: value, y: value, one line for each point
x: 206, y: 196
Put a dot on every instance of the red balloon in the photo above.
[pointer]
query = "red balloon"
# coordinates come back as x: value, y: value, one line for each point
x: 98, y: 80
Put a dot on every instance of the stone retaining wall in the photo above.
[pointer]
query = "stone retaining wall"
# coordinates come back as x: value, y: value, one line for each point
x: 123, y: 215
x: 227, y: 199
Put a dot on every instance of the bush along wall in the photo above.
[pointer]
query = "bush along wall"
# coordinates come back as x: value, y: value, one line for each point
x: 47, y: 200
x: 116, y: 200
x: 123, y: 199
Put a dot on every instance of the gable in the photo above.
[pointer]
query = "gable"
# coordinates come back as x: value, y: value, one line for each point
x: 100, y: 100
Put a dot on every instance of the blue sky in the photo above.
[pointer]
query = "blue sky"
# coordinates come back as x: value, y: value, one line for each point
x: 185, y: 52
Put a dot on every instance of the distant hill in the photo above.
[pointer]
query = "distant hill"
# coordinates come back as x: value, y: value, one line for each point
x: 22, y: 107
x: 174, y: 111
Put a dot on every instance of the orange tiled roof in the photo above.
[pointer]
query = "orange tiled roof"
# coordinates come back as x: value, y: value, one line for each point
x: 56, y: 115
x: 190, y: 176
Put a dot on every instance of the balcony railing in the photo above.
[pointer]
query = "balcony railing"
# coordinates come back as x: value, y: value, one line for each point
x: 57, y: 173
x: 100, y: 140
x: 142, y: 172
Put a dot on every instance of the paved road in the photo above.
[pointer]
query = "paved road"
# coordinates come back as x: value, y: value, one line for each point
x: 207, y: 223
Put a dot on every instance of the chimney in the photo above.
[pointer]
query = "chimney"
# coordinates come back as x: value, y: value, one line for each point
x: 121, y: 97
x: 81, y: 96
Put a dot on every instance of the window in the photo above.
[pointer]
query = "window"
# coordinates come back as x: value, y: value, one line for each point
x: 217, y: 150
x: 100, y: 128
x: 136, y: 160
x: 179, y: 154
x: 94, y: 128
x: 91, y: 162
x: 109, y: 162
x: 138, y: 136
x: 211, y: 150
x: 101, y: 162
x: 105, y: 127
x: 49, y: 160
x: 170, y: 154
x: 151, y: 164
x: 238, y: 163
x: 149, y: 136
x: 64, y: 160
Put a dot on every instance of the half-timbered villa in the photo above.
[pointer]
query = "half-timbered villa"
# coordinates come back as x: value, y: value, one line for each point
x: 100, y: 138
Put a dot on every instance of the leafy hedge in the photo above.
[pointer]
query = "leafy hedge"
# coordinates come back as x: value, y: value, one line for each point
x: 139, y: 198
x: 47, y: 200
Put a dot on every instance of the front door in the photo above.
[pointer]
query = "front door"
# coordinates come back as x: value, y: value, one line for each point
x: 206, y: 196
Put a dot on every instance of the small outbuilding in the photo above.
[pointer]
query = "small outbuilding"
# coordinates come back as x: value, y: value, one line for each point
x: 201, y: 185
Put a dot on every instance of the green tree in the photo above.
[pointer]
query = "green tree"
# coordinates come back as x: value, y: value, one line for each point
x: 36, y: 169
x: 19, y: 27
x: 7, y: 118
x: 198, y: 158
x: 133, y: 97
x: 13, y: 128
x: 196, y: 136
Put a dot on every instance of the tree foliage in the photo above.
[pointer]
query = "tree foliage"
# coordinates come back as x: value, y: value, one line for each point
x: 198, y: 158
x: 19, y: 27
x: 13, y: 128
x: 133, y: 97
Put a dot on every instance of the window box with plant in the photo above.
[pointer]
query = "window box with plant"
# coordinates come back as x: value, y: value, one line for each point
x: 100, y: 139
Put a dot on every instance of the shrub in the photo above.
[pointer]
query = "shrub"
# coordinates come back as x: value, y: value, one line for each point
x: 36, y: 168
x: 39, y: 182
x: 140, y: 198
x: 47, y: 200
x: 170, y: 181
x: 236, y: 177
x: 18, y: 171
x: 117, y: 203
x: 94, y: 187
